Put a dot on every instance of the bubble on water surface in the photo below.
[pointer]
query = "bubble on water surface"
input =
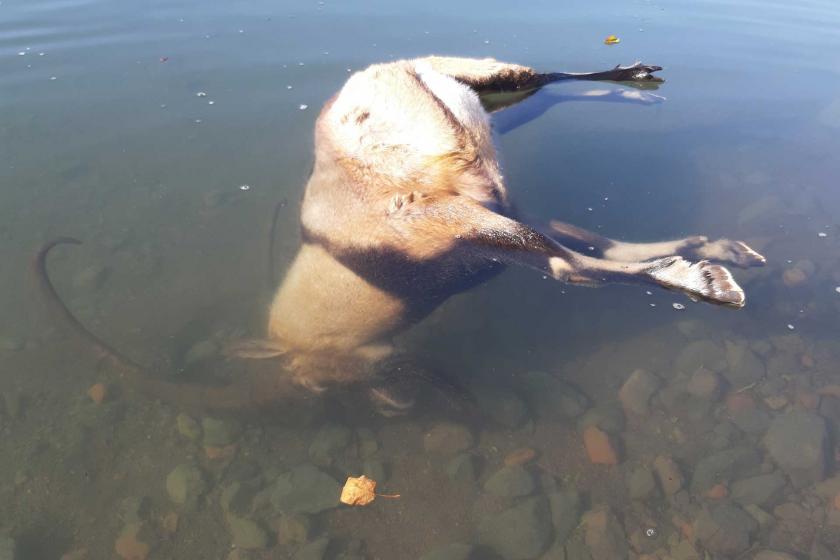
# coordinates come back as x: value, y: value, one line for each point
x: 201, y: 94
x: 822, y: 234
x: 303, y: 107
x: 211, y: 102
x: 678, y: 306
x: 244, y: 187
x: 651, y: 532
x: 790, y: 327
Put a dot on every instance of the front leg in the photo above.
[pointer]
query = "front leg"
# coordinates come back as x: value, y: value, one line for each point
x: 697, y: 247
x: 462, y: 227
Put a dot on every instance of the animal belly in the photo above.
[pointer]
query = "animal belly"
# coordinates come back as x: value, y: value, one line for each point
x: 323, y: 305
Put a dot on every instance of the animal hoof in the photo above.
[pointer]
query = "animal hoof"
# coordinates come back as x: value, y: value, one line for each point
x: 702, y: 280
x: 637, y: 72
x: 734, y: 252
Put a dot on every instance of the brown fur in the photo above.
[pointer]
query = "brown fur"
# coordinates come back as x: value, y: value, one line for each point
x: 406, y: 206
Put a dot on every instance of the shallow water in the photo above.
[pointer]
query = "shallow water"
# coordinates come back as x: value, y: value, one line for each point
x: 105, y: 135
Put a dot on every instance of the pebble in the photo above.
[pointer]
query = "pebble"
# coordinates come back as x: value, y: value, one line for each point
x: 8, y: 548
x: 219, y: 432
x: 725, y: 529
x: 640, y: 483
x: 510, y: 482
x: 504, y: 407
x: 188, y: 426
x: 305, y: 489
x: 760, y: 490
x: 462, y: 469
x: 129, y: 545
x: 724, y: 466
x: 552, y: 398
x: 717, y: 492
x: 797, y: 442
x: 447, y: 438
x: 609, y: 416
x: 316, y: 550
x: 739, y: 402
x: 604, y: 535
x: 669, y: 475
x: 97, y: 392
x: 637, y: 391
x: 521, y: 532
x: 793, y: 277
x: 772, y: 555
x: 11, y: 344
x: 599, y: 446
x: 246, y: 533
x: 454, y: 551
x: 521, y: 456
x: 294, y: 529
x: 704, y: 384
x: 185, y: 485
x: 330, y: 441
x: 565, y: 512
x: 745, y: 367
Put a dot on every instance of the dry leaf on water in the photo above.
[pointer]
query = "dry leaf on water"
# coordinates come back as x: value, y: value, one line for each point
x: 361, y: 491
x: 612, y: 40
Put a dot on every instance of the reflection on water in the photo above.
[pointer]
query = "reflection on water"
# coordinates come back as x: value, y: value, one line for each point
x: 605, y: 423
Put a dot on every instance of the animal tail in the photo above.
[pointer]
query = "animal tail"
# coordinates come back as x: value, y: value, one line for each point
x: 272, y: 234
x: 247, y: 391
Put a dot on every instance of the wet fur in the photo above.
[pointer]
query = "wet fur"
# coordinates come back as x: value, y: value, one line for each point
x: 406, y: 206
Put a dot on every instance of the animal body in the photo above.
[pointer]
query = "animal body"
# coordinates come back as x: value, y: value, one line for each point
x: 406, y: 206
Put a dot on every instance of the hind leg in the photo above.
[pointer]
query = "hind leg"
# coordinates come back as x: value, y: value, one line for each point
x: 698, y: 247
x: 487, y: 74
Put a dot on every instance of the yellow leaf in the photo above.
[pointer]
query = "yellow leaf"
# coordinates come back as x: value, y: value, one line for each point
x: 358, y: 491
x: 612, y: 40
x: 361, y: 491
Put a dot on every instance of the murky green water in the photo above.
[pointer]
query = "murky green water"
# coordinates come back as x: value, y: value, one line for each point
x: 133, y: 125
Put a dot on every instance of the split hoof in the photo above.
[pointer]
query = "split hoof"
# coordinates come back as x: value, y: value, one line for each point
x: 702, y: 280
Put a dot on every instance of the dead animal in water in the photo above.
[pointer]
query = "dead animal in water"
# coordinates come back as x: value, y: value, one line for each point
x: 406, y: 206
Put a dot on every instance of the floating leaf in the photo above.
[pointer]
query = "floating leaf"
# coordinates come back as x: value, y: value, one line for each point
x: 612, y: 40
x: 361, y: 491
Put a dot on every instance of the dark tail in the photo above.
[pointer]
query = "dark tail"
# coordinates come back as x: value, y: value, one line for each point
x: 247, y: 391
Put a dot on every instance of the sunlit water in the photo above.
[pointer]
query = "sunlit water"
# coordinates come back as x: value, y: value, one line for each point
x: 134, y: 125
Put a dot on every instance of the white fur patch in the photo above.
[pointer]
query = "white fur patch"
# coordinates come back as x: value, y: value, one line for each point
x: 460, y: 99
x: 709, y: 281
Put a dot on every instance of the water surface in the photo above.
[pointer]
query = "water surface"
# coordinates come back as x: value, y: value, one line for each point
x: 133, y: 125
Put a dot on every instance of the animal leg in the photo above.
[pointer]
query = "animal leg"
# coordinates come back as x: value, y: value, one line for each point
x: 480, y: 232
x: 698, y: 247
x: 488, y: 75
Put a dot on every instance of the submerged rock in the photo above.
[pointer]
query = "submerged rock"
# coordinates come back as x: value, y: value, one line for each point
x: 565, y: 513
x: 744, y: 366
x: 670, y: 477
x: 637, y: 391
x: 447, y: 438
x: 552, y: 398
x: 293, y: 529
x: 725, y: 529
x: 219, y: 432
x: 188, y: 427
x: 600, y: 447
x: 185, y: 485
x: 522, y: 532
x: 608, y: 416
x: 454, y: 551
x: 798, y: 442
x: 604, y: 535
x: 510, y: 482
x: 246, y: 533
x: 503, y: 407
x: 8, y: 548
x: 701, y: 353
x: 723, y: 467
x: 772, y: 555
x: 640, y: 483
x: 305, y: 489
x: 330, y: 440
x: 759, y: 490
x: 462, y: 469
x: 316, y: 550
x: 133, y: 542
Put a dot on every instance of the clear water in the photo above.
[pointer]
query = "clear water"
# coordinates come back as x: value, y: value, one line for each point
x: 104, y: 136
